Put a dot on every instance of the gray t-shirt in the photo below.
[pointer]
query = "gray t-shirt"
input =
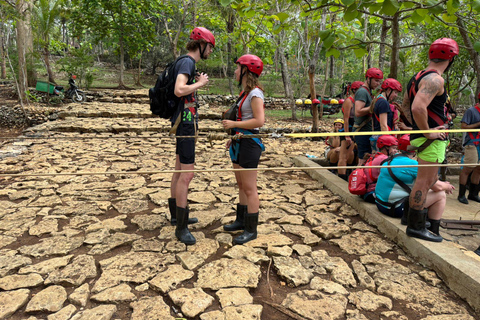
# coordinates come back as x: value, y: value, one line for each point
x: 362, y: 94
x: 471, y: 116
x: 247, y: 112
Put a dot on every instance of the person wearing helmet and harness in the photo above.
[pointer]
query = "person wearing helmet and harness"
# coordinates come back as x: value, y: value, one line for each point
x: 426, y: 95
x: 387, y: 146
x: 333, y: 143
x: 184, y: 123
x: 394, y: 188
x: 246, y: 152
x: 363, y: 118
x: 471, y: 151
x: 383, y: 112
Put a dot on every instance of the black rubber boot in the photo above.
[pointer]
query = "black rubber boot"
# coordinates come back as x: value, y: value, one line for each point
x: 343, y: 176
x: 181, y: 232
x: 473, y: 192
x: 434, y: 226
x: 477, y: 251
x: 250, y: 232
x: 461, y: 194
x: 404, y: 220
x: 416, y: 226
x: 239, y: 223
x: 172, y: 206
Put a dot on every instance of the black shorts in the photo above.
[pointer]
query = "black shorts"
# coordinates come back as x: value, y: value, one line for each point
x: 186, y: 146
x: 249, y: 154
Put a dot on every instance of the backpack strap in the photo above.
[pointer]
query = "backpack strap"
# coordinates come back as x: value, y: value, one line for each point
x: 476, y: 140
x: 377, y: 117
x: 395, y: 178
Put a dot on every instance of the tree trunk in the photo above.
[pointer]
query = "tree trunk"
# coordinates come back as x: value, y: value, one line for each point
x: 313, y: 95
x: 21, y: 7
x: 365, y: 31
x: 383, y: 37
x: 332, y: 73
x: 121, y: 82
x: 471, y: 51
x: 3, y: 62
x: 230, y: 28
x: 395, y: 48
x: 138, y: 83
x: 46, y: 58
x: 29, y: 51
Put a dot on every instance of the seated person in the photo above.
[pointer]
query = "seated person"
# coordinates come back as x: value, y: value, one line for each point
x: 334, y: 143
x: 392, y: 197
x: 387, y: 146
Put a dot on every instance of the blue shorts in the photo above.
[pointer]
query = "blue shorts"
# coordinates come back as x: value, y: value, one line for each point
x: 399, y: 211
x: 364, y: 146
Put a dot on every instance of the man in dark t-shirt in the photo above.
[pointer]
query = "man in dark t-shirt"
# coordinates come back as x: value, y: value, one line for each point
x: 426, y: 95
x: 184, y: 122
x: 363, y: 118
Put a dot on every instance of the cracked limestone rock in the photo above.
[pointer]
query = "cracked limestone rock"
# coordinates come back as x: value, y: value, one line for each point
x: 243, y: 312
x: 117, y: 294
x: 80, y: 269
x: 340, y: 271
x: 228, y: 273
x: 115, y: 240
x: 313, y: 305
x: 192, y: 301
x: 362, y: 243
x: 234, y: 297
x: 369, y: 301
x: 50, y: 299
x: 11, y: 301
x: 47, y: 266
x: 170, y: 278
x: 292, y: 270
x: 151, y: 308
x: 80, y: 295
x: 10, y: 260
x: 255, y: 255
x: 15, y: 281
x: 102, y: 312
x: 64, y: 314
x: 52, y: 246
x: 266, y: 240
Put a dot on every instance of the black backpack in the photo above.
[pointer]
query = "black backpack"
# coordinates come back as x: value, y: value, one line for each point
x: 163, y: 101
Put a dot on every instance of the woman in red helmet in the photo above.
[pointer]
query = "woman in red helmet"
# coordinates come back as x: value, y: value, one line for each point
x: 383, y: 111
x: 184, y: 123
x: 392, y: 196
x: 245, y: 153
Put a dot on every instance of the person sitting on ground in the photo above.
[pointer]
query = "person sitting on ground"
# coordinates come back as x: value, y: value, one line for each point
x: 382, y: 110
x: 471, y: 151
x: 333, y: 143
x: 387, y: 146
x: 394, y: 187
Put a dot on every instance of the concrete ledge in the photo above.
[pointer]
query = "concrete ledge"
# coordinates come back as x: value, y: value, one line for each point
x: 454, y: 266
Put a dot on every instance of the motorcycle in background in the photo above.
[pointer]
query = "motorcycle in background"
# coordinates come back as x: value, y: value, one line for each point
x: 58, y: 93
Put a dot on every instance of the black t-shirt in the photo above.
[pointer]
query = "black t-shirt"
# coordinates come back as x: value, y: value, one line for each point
x: 382, y: 106
x: 184, y: 66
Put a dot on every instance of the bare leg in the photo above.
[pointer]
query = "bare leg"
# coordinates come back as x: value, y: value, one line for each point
x: 175, y: 176
x: 343, y: 157
x: 181, y: 192
x: 426, y: 177
x: 436, y: 204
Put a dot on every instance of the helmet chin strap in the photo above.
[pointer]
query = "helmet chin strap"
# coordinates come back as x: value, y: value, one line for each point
x: 241, y: 77
x: 202, y: 51
x: 450, y: 64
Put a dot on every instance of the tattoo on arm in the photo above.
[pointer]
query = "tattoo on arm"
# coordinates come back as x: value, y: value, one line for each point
x: 418, y: 197
x: 431, y: 85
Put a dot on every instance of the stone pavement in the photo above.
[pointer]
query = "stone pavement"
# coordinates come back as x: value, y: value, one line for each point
x: 100, y: 246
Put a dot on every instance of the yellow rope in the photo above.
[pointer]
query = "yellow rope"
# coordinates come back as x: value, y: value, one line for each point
x: 227, y: 170
x: 365, y: 133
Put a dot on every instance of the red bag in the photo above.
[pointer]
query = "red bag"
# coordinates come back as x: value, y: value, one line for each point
x: 357, y: 182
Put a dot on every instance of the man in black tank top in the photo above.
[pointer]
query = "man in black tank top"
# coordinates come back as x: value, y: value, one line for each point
x: 426, y: 96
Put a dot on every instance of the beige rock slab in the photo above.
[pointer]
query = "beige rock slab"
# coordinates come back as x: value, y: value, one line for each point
x: 50, y: 299
x: 266, y: 240
x: 147, y: 245
x: 117, y: 294
x: 284, y: 251
x: 369, y: 301
x: 227, y: 273
x: 234, y: 297
x: 302, y: 249
x: 64, y: 314
x: 213, y: 315
x: 313, y: 305
x: 10, y: 260
x: 80, y: 295
x: 15, y: 281
x: 255, y: 255
x: 113, y: 241
x: 11, y: 301
x: 340, y: 271
x: 327, y: 286
x: 112, y: 225
x: 192, y: 301
x: 170, y: 278
x: 47, y: 266
x: 190, y: 260
x: 450, y: 317
x: 362, y: 243
x: 292, y: 270
x: 52, y: 246
x: 153, y: 308
x: 244, y: 312
x: 364, y: 279
x: 131, y: 206
x: 102, y: 312
x: 6, y: 240
x: 43, y: 227
x: 149, y: 221
x: 82, y: 267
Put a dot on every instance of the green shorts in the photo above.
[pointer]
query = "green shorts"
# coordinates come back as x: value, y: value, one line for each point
x: 435, y: 152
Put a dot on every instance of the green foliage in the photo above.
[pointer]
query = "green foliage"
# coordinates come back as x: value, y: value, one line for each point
x: 79, y: 62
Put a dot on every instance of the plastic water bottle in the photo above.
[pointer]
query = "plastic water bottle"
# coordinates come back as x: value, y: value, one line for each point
x: 310, y: 156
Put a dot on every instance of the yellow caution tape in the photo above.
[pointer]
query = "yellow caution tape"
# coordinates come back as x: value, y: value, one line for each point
x: 373, y: 133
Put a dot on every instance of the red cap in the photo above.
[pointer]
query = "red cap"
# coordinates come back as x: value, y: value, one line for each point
x: 252, y: 62
x: 386, y: 140
x: 316, y: 101
x: 392, y: 84
x: 443, y: 48
x: 200, y: 33
x: 404, y: 142
x: 374, y: 73
x: 356, y: 84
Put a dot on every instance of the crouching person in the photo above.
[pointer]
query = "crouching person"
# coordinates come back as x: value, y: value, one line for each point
x: 245, y: 153
x: 394, y: 186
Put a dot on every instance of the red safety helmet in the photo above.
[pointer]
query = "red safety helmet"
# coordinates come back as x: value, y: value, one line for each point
x: 201, y: 33
x: 392, y: 84
x: 74, y: 77
x: 252, y: 62
x: 356, y: 85
x: 443, y: 48
x: 386, y: 141
x: 341, y: 101
x: 374, y: 73
x: 316, y: 101
x: 404, y: 142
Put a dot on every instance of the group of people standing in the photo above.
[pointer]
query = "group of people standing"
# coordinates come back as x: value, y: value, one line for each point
x: 244, y: 153
x: 413, y: 193
x: 424, y: 100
